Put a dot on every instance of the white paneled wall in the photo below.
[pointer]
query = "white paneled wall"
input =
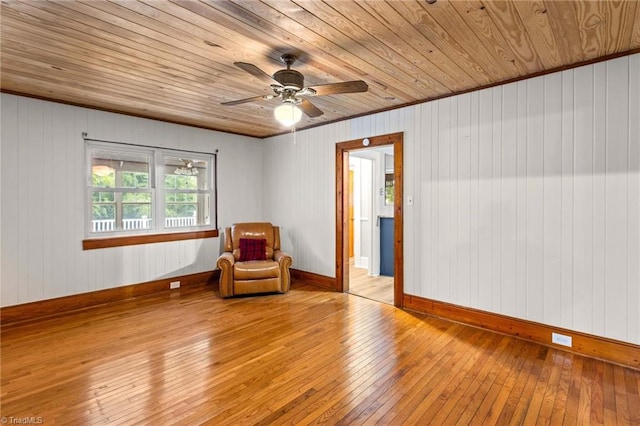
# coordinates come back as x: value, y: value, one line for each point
x: 527, y: 197
x: 42, y: 213
x: 363, y: 210
x: 299, y: 189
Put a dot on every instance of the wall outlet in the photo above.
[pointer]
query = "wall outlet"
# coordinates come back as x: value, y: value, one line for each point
x: 174, y: 284
x: 561, y: 339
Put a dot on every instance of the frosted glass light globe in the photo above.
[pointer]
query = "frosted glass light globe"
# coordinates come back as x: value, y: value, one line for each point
x: 287, y: 114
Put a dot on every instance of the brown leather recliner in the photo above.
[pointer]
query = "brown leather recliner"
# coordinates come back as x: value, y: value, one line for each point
x: 261, y: 268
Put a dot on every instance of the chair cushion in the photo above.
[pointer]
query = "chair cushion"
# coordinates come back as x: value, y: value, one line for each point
x: 253, y: 230
x: 256, y: 270
x: 252, y: 249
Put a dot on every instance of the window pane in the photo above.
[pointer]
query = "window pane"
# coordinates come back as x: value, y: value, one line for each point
x: 103, y: 217
x: 104, y: 212
x: 178, y: 212
x: 185, y: 173
x: 181, y: 197
x: 134, y: 180
x: 187, y: 182
x: 389, y: 188
x: 183, y: 210
x: 136, y: 197
x: 181, y: 215
x: 114, y: 168
x: 180, y: 182
x: 136, y: 216
x: 170, y: 181
x: 103, y: 173
x: 102, y: 197
x: 136, y: 211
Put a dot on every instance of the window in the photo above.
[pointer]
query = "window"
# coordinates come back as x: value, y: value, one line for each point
x: 134, y: 190
x: 186, y: 192
x: 389, y: 189
x: 389, y: 180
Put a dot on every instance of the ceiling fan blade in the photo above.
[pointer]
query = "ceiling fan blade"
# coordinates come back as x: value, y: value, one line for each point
x: 310, y: 109
x: 256, y: 72
x: 243, y: 101
x: 337, y: 88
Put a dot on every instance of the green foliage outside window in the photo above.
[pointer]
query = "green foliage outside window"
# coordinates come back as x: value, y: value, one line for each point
x: 108, y: 181
x: 104, y: 212
x: 180, y: 182
x: 136, y: 197
x: 181, y: 198
x: 180, y: 210
x: 181, y: 204
x: 389, y: 190
x: 103, y: 197
x: 103, y: 207
x: 134, y: 180
x: 136, y: 205
x: 136, y: 211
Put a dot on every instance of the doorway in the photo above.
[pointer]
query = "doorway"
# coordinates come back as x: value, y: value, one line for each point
x: 345, y: 256
x: 371, y: 223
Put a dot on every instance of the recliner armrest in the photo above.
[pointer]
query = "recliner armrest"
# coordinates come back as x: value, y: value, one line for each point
x: 225, y: 263
x: 226, y: 260
x: 284, y: 263
x: 282, y: 257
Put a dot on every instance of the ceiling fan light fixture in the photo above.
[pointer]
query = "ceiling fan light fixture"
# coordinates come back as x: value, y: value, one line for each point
x: 288, y: 114
x: 187, y: 169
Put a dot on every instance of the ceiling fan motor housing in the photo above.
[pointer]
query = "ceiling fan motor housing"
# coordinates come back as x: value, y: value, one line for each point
x: 289, y: 79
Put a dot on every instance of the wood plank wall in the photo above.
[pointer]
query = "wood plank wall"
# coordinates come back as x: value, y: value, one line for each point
x: 526, y: 197
x: 42, y: 210
x: 299, y: 194
x: 529, y: 200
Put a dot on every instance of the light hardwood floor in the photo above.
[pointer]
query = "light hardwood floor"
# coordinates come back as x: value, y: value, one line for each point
x: 378, y: 288
x: 305, y: 357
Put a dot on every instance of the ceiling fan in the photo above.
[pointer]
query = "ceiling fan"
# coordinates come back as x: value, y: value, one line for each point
x: 289, y: 85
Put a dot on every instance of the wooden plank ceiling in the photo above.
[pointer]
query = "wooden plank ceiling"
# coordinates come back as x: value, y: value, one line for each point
x: 174, y: 60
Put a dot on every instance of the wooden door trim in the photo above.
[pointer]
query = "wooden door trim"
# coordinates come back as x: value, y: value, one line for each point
x: 342, y: 210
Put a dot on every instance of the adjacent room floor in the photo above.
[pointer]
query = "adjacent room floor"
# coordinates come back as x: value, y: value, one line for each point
x: 379, y: 288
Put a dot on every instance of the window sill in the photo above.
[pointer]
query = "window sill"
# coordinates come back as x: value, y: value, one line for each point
x: 99, y: 243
